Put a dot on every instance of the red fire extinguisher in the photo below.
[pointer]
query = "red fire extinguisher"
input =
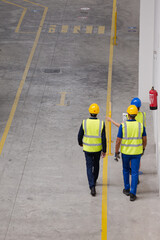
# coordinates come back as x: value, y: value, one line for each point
x: 153, y: 99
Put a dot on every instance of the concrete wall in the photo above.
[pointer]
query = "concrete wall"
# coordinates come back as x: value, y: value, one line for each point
x: 149, y: 61
x: 146, y: 43
x: 156, y: 80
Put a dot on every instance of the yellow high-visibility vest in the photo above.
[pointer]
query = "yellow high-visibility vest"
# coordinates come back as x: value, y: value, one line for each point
x: 141, y: 117
x: 131, y: 143
x: 92, y: 141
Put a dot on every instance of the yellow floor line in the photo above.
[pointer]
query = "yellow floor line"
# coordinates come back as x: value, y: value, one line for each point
x: 35, y: 3
x: 52, y: 29
x: 20, y: 20
x: 76, y: 29
x: 105, y: 161
x: 9, y: 122
x: 62, y: 100
x: 13, y: 4
x: 89, y: 29
x: 101, y: 29
x: 64, y: 28
x: 22, y: 16
x: 104, y: 199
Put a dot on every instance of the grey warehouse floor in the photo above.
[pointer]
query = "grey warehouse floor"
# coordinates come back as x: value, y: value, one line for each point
x: 59, y: 51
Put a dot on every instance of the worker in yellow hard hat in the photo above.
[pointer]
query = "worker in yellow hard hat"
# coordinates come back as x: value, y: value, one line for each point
x: 140, y: 117
x: 92, y: 138
x: 132, y: 138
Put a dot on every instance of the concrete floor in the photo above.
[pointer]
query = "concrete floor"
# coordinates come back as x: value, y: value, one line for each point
x: 44, y: 192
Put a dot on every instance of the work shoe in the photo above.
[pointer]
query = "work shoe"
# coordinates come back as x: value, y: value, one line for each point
x: 93, y: 191
x: 126, y: 191
x: 132, y: 197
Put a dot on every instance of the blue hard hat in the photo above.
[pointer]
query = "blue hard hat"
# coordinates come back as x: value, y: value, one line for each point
x: 136, y: 101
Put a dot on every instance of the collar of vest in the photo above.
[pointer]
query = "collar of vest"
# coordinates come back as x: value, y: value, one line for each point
x: 131, y: 120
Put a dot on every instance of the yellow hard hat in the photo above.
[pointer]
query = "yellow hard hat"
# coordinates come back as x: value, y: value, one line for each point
x: 132, y: 110
x: 94, y: 108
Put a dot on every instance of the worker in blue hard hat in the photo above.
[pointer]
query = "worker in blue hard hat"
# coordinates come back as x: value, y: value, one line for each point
x: 141, y: 116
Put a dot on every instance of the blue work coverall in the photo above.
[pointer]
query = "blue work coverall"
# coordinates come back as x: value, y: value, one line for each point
x: 135, y: 161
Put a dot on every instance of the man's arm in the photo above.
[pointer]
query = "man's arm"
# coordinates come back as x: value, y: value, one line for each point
x: 118, y: 143
x: 112, y: 121
x: 80, y: 136
x: 144, y: 140
x: 103, y: 139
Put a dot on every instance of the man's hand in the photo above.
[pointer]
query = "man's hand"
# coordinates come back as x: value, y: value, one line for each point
x: 81, y: 145
x: 108, y: 119
x: 116, y: 156
x: 103, y: 154
x: 143, y: 152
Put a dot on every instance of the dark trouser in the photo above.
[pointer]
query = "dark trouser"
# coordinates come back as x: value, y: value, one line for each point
x: 92, y: 165
x: 135, y: 160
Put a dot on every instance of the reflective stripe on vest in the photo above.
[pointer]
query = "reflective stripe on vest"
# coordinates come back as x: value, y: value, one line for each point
x: 92, y: 141
x: 132, y: 138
